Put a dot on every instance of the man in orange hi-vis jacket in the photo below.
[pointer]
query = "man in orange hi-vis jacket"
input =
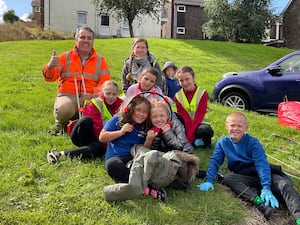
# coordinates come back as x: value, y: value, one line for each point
x: 80, y: 72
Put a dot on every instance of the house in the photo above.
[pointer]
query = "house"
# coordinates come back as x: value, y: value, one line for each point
x: 291, y: 24
x: 286, y: 29
x: 183, y: 19
x: 66, y: 16
x: 37, y: 10
x: 274, y: 35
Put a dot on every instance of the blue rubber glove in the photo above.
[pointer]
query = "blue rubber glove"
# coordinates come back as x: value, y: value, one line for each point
x: 269, y: 199
x: 206, y: 186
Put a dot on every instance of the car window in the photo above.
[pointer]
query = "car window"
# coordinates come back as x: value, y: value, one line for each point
x: 291, y: 64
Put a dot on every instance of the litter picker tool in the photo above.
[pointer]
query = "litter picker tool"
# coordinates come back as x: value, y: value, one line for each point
x: 80, y: 109
x: 289, y: 140
x: 77, y: 97
x: 83, y: 84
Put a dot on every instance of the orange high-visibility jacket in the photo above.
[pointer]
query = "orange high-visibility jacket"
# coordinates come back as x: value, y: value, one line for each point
x: 92, y: 74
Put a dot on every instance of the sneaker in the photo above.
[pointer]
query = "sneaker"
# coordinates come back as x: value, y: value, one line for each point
x: 265, y: 210
x: 159, y: 194
x: 55, y: 132
x: 52, y: 157
x: 59, y: 130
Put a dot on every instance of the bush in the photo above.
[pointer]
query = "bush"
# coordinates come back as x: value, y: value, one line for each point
x: 18, y: 31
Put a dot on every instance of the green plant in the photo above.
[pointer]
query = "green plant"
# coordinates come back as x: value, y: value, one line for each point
x: 28, y: 31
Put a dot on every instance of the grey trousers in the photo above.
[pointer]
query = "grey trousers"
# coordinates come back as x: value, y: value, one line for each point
x: 247, y: 187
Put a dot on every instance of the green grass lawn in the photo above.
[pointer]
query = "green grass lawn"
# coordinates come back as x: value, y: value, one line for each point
x: 70, y: 192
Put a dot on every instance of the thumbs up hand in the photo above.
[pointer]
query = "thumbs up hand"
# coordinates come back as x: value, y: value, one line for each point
x: 54, y: 61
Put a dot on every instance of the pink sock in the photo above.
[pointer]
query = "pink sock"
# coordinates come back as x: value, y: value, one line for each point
x: 147, y: 191
x: 154, y: 193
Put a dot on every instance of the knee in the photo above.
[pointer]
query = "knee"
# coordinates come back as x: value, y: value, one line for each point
x: 66, y: 108
x: 205, y: 131
x: 109, y: 167
x: 283, y: 184
x: 116, y: 168
x: 229, y: 178
x: 65, y: 112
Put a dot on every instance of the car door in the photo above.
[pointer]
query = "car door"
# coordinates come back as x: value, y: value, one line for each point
x: 274, y: 90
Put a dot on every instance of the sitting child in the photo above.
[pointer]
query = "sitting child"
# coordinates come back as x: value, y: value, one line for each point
x: 192, y: 105
x: 86, y: 131
x: 125, y: 129
x: 169, y: 71
x: 168, y: 132
x: 151, y: 171
x: 251, y: 176
x: 147, y: 81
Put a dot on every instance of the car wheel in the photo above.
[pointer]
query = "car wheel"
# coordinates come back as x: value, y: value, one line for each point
x: 235, y: 100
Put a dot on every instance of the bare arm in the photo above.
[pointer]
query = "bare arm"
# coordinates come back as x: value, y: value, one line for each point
x: 106, y: 136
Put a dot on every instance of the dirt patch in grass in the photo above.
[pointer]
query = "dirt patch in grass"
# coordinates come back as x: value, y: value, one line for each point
x: 280, y: 216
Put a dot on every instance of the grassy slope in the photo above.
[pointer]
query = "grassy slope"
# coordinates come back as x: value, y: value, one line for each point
x: 33, y: 192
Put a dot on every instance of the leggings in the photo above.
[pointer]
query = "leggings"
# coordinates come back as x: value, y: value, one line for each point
x: 117, y: 169
x: 82, y: 136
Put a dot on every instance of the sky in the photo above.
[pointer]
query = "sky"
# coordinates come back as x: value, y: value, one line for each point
x: 23, y: 8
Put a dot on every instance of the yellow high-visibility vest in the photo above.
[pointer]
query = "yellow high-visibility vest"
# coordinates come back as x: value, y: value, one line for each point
x: 103, y: 110
x: 191, y: 107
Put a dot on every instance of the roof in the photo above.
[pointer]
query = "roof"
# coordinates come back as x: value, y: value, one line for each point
x: 189, y: 2
x: 36, y: 3
x: 286, y: 7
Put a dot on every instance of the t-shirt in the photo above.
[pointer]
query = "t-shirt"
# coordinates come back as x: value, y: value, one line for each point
x: 122, y: 145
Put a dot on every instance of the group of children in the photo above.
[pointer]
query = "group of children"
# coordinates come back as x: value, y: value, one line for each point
x: 148, y: 147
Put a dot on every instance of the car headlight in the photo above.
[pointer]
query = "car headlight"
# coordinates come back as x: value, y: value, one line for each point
x: 229, y: 74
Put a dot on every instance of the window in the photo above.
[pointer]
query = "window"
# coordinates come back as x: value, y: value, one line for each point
x: 125, y: 23
x: 181, y: 8
x: 37, y: 9
x: 105, y: 20
x: 81, y: 18
x: 180, y: 30
x: 291, y: 64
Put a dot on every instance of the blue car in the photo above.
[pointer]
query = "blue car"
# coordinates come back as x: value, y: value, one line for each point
x: 261, y: 90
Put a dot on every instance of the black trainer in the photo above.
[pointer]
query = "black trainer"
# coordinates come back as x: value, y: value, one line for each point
x: 162, y: 195
x: 55, y: 132
x: 265, y: 210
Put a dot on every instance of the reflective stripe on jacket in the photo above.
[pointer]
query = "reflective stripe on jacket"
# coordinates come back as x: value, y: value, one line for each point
x: 89, y: 77
x: 192, y: 106
x: 104, y: 112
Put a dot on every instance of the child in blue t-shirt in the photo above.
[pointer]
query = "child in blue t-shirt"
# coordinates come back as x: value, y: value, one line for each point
x: 128, y: 127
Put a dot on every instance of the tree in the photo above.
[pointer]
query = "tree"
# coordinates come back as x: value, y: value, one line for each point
x: 129, y: 9
x: 218, y: 13
x: 237, y: 20
x: 10, y: 16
